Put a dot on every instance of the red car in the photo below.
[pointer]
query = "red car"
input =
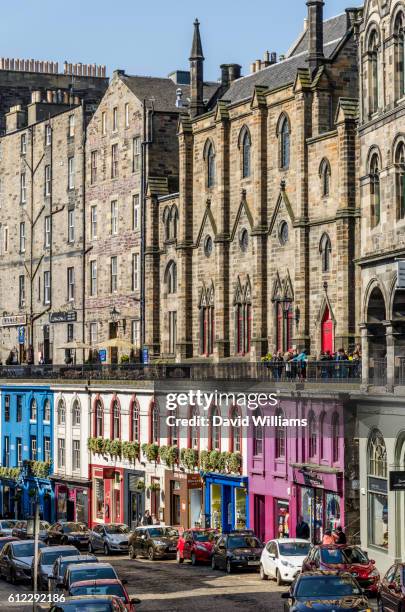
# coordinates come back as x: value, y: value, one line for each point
x: 392, y: 589
x: 345, y: 558
x: 104, y: 587
x: 195, y: 545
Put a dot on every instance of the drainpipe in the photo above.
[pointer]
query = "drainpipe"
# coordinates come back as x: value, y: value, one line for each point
x: 84, y: 142
x: 147, y: 140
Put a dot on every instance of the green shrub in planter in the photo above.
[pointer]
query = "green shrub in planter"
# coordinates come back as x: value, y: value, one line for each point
x: 205, y: 460
x: 140, y: 484
x: 189, y: 458
x: 114, y: 448
x: 154, y: 486
x: 130, y: 451
x: 151, y: 451
x: 234, y: 463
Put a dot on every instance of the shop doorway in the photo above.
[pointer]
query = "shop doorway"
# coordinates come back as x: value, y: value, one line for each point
x: 70, y: 510
x: 135, y: 509
x: 282, y: 516
x: 175, y: 505
x: 260, y: 516
x: 327, y: 332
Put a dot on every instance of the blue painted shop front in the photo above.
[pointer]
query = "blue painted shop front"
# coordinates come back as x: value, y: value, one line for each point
x: 26, y: 435
x: 226, y: 501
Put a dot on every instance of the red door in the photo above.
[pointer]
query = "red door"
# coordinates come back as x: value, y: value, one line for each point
x: 327, y: 332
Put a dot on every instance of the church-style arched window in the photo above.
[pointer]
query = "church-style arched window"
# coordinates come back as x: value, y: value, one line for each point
x: 399, y: 36
x: 373, y: 44
x: 324, y: 173
x: 325, y: 249
x: 400, y: 179
x: 375, y: 191
x: 284, y: 142
x: 171, y: 277
x: 245, y: 147
x: 210, y: 161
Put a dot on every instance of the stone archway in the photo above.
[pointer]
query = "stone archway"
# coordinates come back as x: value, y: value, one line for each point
x: 376, y: 323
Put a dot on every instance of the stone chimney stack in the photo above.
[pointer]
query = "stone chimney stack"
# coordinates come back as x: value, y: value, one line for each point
x: 315, y: 33
x: 229, y: 73
x: 196, y: 74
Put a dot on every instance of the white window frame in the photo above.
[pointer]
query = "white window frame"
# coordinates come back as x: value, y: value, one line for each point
x: 71, y: 172
x: 127, y: 114
x: 135, y: 332
x: 71, y: 225
x: 70, y: 284
x: 93, y: 222
x: 71, y: 129
x: 23, y: 144
x: 76, y: 458
x: 114, y: 217
x: 93, y: 277
x: 136, y: 154
x: 47, y: 238
x: 114, y: 274
x: 136, y: 212
x: 48, y: 134
x: 23, y: 188
x: 104, y: 123
x: 93, y: 333
x: 114, y: 160
x: 61, y: 453
x: 93, y: 167
x: 115, y: 119
x: 21, y: 291
x: 22, y: 237
x: 47, y: 287
x: 48, y: 180
x: 136, y: 271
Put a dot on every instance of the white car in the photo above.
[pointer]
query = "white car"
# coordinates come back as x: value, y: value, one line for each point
x: 282, y: 559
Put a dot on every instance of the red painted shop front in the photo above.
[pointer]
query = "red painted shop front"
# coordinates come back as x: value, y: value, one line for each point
x: 327, y: 332
x: 107, y: 495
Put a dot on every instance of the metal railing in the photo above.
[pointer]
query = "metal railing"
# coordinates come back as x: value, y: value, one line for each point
x: 322, y: 372
x: 377, y: 372
x: 400, y: 371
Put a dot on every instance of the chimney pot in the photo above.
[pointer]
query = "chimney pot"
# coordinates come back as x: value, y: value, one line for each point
x: 253, y: 67
x: 315, y: 33
x: 258, y: 65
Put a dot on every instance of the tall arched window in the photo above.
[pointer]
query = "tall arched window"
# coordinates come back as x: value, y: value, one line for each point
x: 210, y: 161
x: 322, y: 436
x: 33, y: 410
x: 173, y: 431
x: 325, y: 249
x: 76, y: 413
x: 207, y: 321
x: 154, y: 424
x: 171, y: 277
x: 47, y: 410
x: 400, y: 179
x: 312, y: 436
x: 174, y: 218
x: 324, y: 173
x: 115, y: 420
x: 258, y: 436
x: 280, y: 435
x: 98, y: 419
x: 373, y: 44
x: 215, y: 431
x: 135, y: 422
x: 399, y: 34
x: 377, y: 490
x: 235, y: 438
x: 61, y: 412
x: 375, y: 191
x: 335, y: 437
x: 245, y: 147
x: 243, y: 319
x: 284, y: 143
x: 194, y: 436
x: 166, y: 223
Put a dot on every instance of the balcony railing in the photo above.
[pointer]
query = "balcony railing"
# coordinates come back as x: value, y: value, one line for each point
x: 321, y: 372
x: 377, y: 372
x: 400, y: 371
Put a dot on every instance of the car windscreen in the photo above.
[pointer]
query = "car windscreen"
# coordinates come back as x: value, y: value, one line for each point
x: 102, y: 589
x: 326, y: 586
x: 203, y: 536
x: 116, y: 529
x: 24, y: 550
x: 85, y: 607
x: 170, y: 532
x: 156, y: 532
x: 48, y: 558
x: 7, y: 524
x: 64, y: 564
x: 75, y: 527
x: 294, y: 549
x: 78, y: 575
x: 243, y: 542
x: 43, y: 525
x: 355, y: 555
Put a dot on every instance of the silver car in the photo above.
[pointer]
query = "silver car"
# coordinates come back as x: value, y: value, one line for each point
x: 7, y: 526
x: 110, y: 538
x: 46, y: 558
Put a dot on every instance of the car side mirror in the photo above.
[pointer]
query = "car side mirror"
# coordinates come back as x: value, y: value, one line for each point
x: 272, y: 555
x: 135, y: 601
x: 285, y: 595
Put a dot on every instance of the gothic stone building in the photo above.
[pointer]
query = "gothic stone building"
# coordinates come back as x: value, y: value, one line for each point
x: 256, y: 251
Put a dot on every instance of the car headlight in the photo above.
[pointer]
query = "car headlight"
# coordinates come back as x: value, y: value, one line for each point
x: 286, y: 563
x: 375, y: 573
x: 199, y: 547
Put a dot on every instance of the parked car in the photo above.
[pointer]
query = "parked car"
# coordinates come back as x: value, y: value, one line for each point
x: 60, y: 566
x: 89, y: 603
x: 104, y: 587
x: 46, y: 558
x: 7, y: 526
x: 6, y: 539
x: 19, y: 530
x: 69, y: 533
x: 236, y: 552
x: 196, y: 545
x: 85, y: 571
x: 326, y: 591
x: 154, y: 542
x: 109, y: 538
x: 391, y: 595
x: 282, y: 559
x: 345, y: 558
x: 16, y: 560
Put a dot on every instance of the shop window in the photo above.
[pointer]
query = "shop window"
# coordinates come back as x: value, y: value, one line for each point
x: 240, y: 508
x: 282, y: 519
x: 332, y: 515
x: 280, y: 436
x: 99, y: 499
x: 377, y: 491
x: 235, y: 442
x: 258, y: 434
x: 216, y: 516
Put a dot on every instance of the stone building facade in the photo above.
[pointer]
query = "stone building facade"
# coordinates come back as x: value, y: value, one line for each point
x: 261, y: 256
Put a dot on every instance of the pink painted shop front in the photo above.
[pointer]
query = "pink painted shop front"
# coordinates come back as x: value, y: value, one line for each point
x: 297, y: 471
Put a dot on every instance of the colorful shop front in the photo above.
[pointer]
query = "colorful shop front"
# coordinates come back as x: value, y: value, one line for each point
x: 71, y: 499
x: 226, y: 502
x: 183, y: 499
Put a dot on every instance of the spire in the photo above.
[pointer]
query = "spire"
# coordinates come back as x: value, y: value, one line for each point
x: 196, y: 49
x: 196, y: 74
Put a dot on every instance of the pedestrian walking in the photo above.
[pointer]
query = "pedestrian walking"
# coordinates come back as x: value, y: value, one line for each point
x: 302, y: 529
x: 147, y: 519
x: 328, y: 538
x: 339, y: 536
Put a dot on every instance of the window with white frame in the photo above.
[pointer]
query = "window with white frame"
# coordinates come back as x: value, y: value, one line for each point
x: 47, y: 240
x: 23, y: 144
x: 33, y: 410
x: 104, y: 123
x: 33, y: 448
x: 23, y: 188
x: 93, y: 222
x: 21, y: 291
x: 136, y: 272
x: 47, y: 287
x: 126, y: 115
x: 48, y: 183
x: 76, y: 455
x: 61, y: 412
x: 71, y: 173
x: 71, y: 225
x: 93, y: 333
x: 93, y: 278
x: 19, y: 451
x: 136, y: 154
x: 70, y: 284
x: 47, y: 410
x: 113, y: 274
x: 48, y: 134
x: 61, y: 452
x: 6, y: 451
x: 115, y: 119
x: 114, y: 217
x: 136, y: 212
x: 93, y: 167
x: 114, y: 160
x: 76, y: 413
x: 5, y: 239
x: 22, y: 237
x: 71, y: 128
x: 47, y: 449
x: 135, y: 333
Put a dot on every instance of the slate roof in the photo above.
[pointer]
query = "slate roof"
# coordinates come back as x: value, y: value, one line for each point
x: 285, y: 71
x: 163, y: 91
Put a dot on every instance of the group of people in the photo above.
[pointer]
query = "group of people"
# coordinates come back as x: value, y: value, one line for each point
x: 330, y: 536
x: 148, y: 519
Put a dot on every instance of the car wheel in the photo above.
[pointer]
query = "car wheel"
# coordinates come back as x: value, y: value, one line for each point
x: 193, y: 559
x: 151, y: 553
x: 263, y: 574
x: 213, y: 564
x: 179, y: 558
x: 278, y: 578
x: 107, y: 550
x: 228, y: 566
x: 132, y: 553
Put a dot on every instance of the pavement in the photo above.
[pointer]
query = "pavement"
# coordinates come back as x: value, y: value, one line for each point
x: 165, y: 586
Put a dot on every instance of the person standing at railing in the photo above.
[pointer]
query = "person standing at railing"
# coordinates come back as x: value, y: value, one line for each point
x: 341, y: 369
x: 301, y: 361
x: 326, y: 368
x: 278, y: 365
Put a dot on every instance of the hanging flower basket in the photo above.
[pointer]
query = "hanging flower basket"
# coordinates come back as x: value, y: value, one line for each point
x: 154, y: 486
x: 140, y: 485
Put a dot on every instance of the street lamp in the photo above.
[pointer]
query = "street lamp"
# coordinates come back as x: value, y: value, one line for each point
x: 114, y: 314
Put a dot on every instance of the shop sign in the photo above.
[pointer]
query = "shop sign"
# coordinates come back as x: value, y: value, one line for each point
x: 377, y: 485
x: 311, y: 479
x: 194, y: 481
x: 13, y: 321
x: 109, y: 473
x: 63, y: 317
x: 397, y: 481
x: 21, y: 335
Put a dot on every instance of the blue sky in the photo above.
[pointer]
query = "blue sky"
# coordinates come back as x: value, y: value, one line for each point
x: 152, y: 37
